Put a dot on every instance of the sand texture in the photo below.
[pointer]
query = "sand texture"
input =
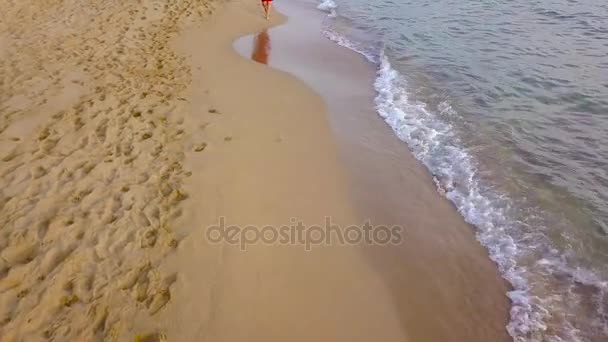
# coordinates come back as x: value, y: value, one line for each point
x: 91, y: 148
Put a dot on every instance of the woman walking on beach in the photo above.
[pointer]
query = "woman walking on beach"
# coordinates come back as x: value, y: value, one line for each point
x: 266, y: 4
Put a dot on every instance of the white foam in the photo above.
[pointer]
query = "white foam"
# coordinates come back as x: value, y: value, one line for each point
x: 434, y: 144
x: 347, y: 43
x: 328, y: 6
x: 535, y: 295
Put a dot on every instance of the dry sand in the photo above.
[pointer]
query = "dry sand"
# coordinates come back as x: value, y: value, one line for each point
x: 127, y: 128
x: 92, y: 146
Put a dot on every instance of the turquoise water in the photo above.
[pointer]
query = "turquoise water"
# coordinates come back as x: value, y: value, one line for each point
x: 506, y: 103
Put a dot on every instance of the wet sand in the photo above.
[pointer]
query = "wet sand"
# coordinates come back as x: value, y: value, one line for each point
x: 279, y: 163
x: 128, y: 128
x: 441, y: 279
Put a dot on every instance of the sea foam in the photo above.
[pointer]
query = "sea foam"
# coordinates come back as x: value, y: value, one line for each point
x: 537, y: 287
x: 435, y: 145
x: 328, y: 6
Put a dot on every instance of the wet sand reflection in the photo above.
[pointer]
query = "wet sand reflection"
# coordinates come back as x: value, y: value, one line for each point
x: 261, y: 47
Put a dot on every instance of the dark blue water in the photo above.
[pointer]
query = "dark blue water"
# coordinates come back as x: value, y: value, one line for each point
x: 506, y: 103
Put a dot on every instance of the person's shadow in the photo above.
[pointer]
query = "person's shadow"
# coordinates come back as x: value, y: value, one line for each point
x: 261, y: 47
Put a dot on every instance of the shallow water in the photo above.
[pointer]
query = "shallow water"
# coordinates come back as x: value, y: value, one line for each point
x: 506, y: 103
x: 457, y: 294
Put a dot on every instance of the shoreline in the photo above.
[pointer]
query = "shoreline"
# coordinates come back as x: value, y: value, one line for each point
x: 389, y: 186
x: 269, y: 172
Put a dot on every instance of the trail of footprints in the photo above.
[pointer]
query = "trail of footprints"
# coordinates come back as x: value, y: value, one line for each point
x: 87, y: 201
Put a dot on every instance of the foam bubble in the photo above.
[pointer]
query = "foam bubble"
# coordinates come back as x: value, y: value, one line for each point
x: 367, y: 52
x: 328, y: 6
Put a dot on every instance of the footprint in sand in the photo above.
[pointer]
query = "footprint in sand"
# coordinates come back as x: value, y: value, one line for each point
x: 154, y: 337
x: 200, y: 147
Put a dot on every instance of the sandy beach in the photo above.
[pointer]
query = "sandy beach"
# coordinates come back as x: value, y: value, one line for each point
x: 127, y: 128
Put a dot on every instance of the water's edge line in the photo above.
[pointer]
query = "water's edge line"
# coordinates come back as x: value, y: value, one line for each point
x: 524, y: 315
x: 331, y: 13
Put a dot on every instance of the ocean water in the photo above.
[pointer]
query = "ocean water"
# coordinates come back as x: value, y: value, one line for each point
x: 506, y: 104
